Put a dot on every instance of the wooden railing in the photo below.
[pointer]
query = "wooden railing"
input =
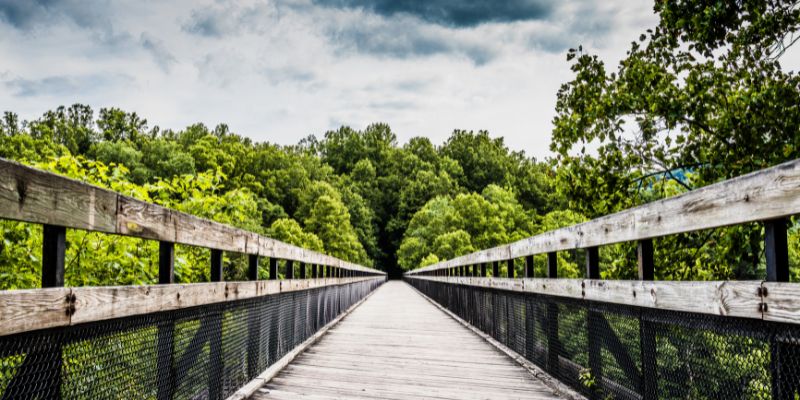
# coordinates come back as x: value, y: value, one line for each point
x: 768, y: 196
x: 712, y: 309
x: 59, y: 203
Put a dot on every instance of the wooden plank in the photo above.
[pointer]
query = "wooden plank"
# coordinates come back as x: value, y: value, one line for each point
x: 397, y: 345
x: 34, y: 309
x: 726, y: 298
x: 150, y: 221
x: 763, y: 195
x: 31, y: 195
x: 781, y: 302
x: 27, y: 310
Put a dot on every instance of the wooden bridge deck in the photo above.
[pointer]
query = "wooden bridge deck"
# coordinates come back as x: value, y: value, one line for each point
x: 397, y: 345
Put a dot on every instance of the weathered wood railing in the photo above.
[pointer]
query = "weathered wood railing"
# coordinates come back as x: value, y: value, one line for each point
x: 326, y: 286
x: 769, y: 196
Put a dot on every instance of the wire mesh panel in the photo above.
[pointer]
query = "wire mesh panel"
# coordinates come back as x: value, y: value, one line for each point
x: 626, y: 352
x: 204, y: 352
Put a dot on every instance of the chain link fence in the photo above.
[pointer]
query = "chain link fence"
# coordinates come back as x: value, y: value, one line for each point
x: 204, y: 352
x: 608, y: 351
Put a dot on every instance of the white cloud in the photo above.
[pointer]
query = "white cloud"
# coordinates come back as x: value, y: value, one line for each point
x: 282, y: 70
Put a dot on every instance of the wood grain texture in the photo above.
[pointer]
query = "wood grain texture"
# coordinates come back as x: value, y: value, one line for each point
x: 726, y: 298
x: 397, y: 345
x: 31, y: 195
x: 28, y: 310
x: 763, y: 195
x: 781, y: 302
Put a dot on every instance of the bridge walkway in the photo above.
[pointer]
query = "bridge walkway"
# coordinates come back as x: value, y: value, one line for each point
x: 397, y: 345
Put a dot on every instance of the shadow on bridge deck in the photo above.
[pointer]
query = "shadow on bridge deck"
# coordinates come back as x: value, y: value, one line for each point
x: 397, y: 345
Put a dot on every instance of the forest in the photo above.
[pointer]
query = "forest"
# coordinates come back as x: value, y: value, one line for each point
x: 699, y: 98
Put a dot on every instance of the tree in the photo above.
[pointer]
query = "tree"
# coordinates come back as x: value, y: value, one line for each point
x: 289, y: 231
x: 116, y: 125
x: 71, y: 127
x: 700, y: 98
x: 484, y: 160
x: 330, y: 221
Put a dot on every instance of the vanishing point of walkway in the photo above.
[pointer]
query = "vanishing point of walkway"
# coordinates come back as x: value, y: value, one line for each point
x: 397, y: 345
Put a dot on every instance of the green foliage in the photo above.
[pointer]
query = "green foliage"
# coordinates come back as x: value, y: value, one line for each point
x: 289, y: 231
x: 448, y: 227
x: 699, y: 98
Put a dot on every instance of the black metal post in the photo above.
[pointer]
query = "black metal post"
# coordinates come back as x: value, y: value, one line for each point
x: 777, y: 250
x: 529, y: 267
x: 483, y: 270
x: 327, y: 271
x: 253, y: 325
x: 496, y: 269
x: 593, y: 324
x: 553, y: 342
x: 645, y: 255
x: 289, y: 274
x: 314, y: 271
x: 216, y: 266
x: 54, y: 244
x: 552, y: 265
x: 592, y: 263
x: 783, y: 353
x: 215, y: 337
x: 510, y: 272
x: 273, y: 268
x: 166, y: 330
x: 302, y: 270
x: 252, y: 267
x: 647, y: 328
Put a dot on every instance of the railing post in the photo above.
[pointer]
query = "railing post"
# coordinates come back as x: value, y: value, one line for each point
x: 314, y: 271
x: 483, y: 270
x: 510, y: 272
x: 553, y: 343
x: 644, y: 252
x: 289, y: 274
x: 592, y: 263
x: 252, y: 267
x: 216, y: 265
x: 327, y: 271
x: 529, y: 267
x: 496, y: 269
x: 216, y: 365
x: 783, y: 354
x: 776, y: 249
x: 54, y: 244
x: 273, y: 268
x: 647, y: 332
x: 593, y: 324
x: 253, y: 325
x: 302, y: 270
x: 166, y: 330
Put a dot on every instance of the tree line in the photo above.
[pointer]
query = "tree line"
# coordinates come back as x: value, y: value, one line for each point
x: 701, y: 97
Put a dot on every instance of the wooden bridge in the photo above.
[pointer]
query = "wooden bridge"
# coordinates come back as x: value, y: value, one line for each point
x: 322, y: 328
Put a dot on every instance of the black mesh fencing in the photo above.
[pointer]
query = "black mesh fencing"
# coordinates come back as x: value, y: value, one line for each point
x: 608, y: 351
x: 204, y: 352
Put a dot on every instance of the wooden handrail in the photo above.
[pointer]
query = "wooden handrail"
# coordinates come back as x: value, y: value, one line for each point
x: 34, y: 309
x: 770, y: 301
x: 759, y: 196
x: 31, y: 195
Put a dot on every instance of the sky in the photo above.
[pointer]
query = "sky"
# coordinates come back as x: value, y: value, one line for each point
x: 281, y: 70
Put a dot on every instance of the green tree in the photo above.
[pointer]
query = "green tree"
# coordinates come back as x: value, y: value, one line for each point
x: 699, y: 98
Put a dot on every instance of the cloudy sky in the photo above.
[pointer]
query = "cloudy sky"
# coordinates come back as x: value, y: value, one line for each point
x: 280, y: 70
